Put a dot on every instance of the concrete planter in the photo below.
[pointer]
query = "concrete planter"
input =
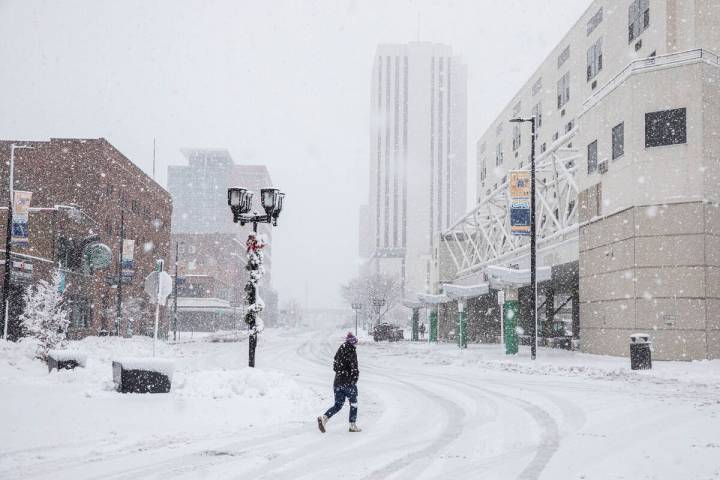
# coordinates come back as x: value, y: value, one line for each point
x: 142, y: 375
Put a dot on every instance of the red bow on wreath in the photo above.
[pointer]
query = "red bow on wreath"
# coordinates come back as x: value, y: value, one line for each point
x: 253, y: 245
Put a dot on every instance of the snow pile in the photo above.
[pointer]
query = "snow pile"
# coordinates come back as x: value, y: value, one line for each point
x: 250, y: 383
x: 563, y: 363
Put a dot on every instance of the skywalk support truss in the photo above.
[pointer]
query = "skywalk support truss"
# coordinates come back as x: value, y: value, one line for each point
x: 483, y: 237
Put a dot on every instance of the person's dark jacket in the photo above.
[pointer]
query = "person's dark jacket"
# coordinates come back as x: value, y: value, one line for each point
x: 346, y: 365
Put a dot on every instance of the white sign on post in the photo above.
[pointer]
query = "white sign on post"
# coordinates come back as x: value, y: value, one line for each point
x: 158, y: 286
x: 501, y: 297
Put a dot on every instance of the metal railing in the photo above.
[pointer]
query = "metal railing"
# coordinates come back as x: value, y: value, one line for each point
x: 642, y: 64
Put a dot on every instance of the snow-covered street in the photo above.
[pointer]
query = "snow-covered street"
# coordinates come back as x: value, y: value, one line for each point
x: 428, y: 411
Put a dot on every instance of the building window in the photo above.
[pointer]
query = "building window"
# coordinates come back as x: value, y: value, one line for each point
x: 483, y: 169
x: 543, y: 148
x: 618, y: 141
x: 537, y: 86
x: 504, y: 180
x: 668, y: 127
x: 135, y: 206
x: 80, y: 312
x: 569, y: 126
x: 563, y: 90
x: 594, y: 60
x: 537, y: 113
x: 595, y: 21
x: 498, y: 154
x: 638, y: 18
x: 517, y: 108
x: 592, y: 157
x: 517, y: 137
x: 564, y: 56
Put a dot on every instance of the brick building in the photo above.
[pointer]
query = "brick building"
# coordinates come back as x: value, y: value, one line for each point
x: 106, y: 189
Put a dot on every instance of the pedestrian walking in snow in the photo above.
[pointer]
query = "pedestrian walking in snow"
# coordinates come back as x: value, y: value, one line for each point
x: 345, y: 385
x: 422, y: 331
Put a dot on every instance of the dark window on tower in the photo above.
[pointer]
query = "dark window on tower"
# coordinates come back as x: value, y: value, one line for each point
x: 618, y: 141
x: 638, y: 18
x: 592, y: 157
x: 667, y: 127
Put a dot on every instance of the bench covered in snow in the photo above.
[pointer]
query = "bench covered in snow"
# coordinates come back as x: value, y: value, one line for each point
x: 142, y: 375
x: 65, y: 359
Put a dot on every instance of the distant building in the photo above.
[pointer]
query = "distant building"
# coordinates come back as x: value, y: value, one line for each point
x: 417, y: 156
x: 364, y: 249
x: 211, y: 247
x: 102, y: 183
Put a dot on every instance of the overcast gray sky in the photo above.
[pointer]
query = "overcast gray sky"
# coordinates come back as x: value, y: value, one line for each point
x: 283, y: 83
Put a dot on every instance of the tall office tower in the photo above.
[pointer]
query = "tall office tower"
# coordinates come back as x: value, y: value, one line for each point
x: 417, y: 156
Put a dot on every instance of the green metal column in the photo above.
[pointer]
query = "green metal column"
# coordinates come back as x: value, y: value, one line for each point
x: 415, y: 324
x: 433, y: 334
x: 462, y: 327
x: 511, y: 314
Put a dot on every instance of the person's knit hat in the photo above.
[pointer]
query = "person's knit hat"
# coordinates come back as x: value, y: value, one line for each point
x: 351, y: 339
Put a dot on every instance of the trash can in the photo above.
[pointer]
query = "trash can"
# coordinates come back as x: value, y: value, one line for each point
x: 640, y: 353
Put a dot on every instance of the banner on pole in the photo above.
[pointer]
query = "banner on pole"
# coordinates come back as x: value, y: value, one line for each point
x: 21, y: 210
x: 128, y: 256
x: 519, y: 187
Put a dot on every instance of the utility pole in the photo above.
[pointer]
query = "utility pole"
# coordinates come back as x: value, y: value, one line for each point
x: 533, y: 234
x: 533, y: 244
x: 118, y: 315
x: 175, y: 292
x: 8, y: 241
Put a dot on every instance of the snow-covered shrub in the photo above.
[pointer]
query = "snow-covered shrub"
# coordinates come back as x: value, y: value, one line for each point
x: 45, y: 316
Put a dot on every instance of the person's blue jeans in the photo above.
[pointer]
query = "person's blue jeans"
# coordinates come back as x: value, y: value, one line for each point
x: 341, y: 393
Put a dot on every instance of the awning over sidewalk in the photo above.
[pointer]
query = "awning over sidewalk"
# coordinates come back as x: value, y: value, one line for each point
x: 430, y: 299
x: 503, y: 277
x: 466, y: 291
x: 412, y: 303
x: 204, y: 304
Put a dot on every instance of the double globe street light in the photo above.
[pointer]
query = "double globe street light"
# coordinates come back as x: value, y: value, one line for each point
x: 240, y: 202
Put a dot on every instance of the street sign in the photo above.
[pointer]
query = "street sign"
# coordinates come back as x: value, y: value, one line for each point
x: 158, y: 285
x: 501, y: 297
x: 519, y: 187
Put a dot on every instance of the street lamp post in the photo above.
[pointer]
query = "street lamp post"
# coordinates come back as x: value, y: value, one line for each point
x: 356, y: 307
x: 533, y: 234
x: 175, y: 292
x: 8, y: 239
x: 240, y: 202
x: 378, y: 303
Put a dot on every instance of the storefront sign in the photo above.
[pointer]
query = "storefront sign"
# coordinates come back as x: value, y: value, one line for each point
x: 21, y: 209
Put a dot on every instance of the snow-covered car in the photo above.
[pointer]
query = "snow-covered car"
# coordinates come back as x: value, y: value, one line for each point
x: 387, y: 331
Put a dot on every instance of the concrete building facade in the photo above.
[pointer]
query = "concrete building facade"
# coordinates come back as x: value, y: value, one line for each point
x: 417, y: 156
x: 632, y: 94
